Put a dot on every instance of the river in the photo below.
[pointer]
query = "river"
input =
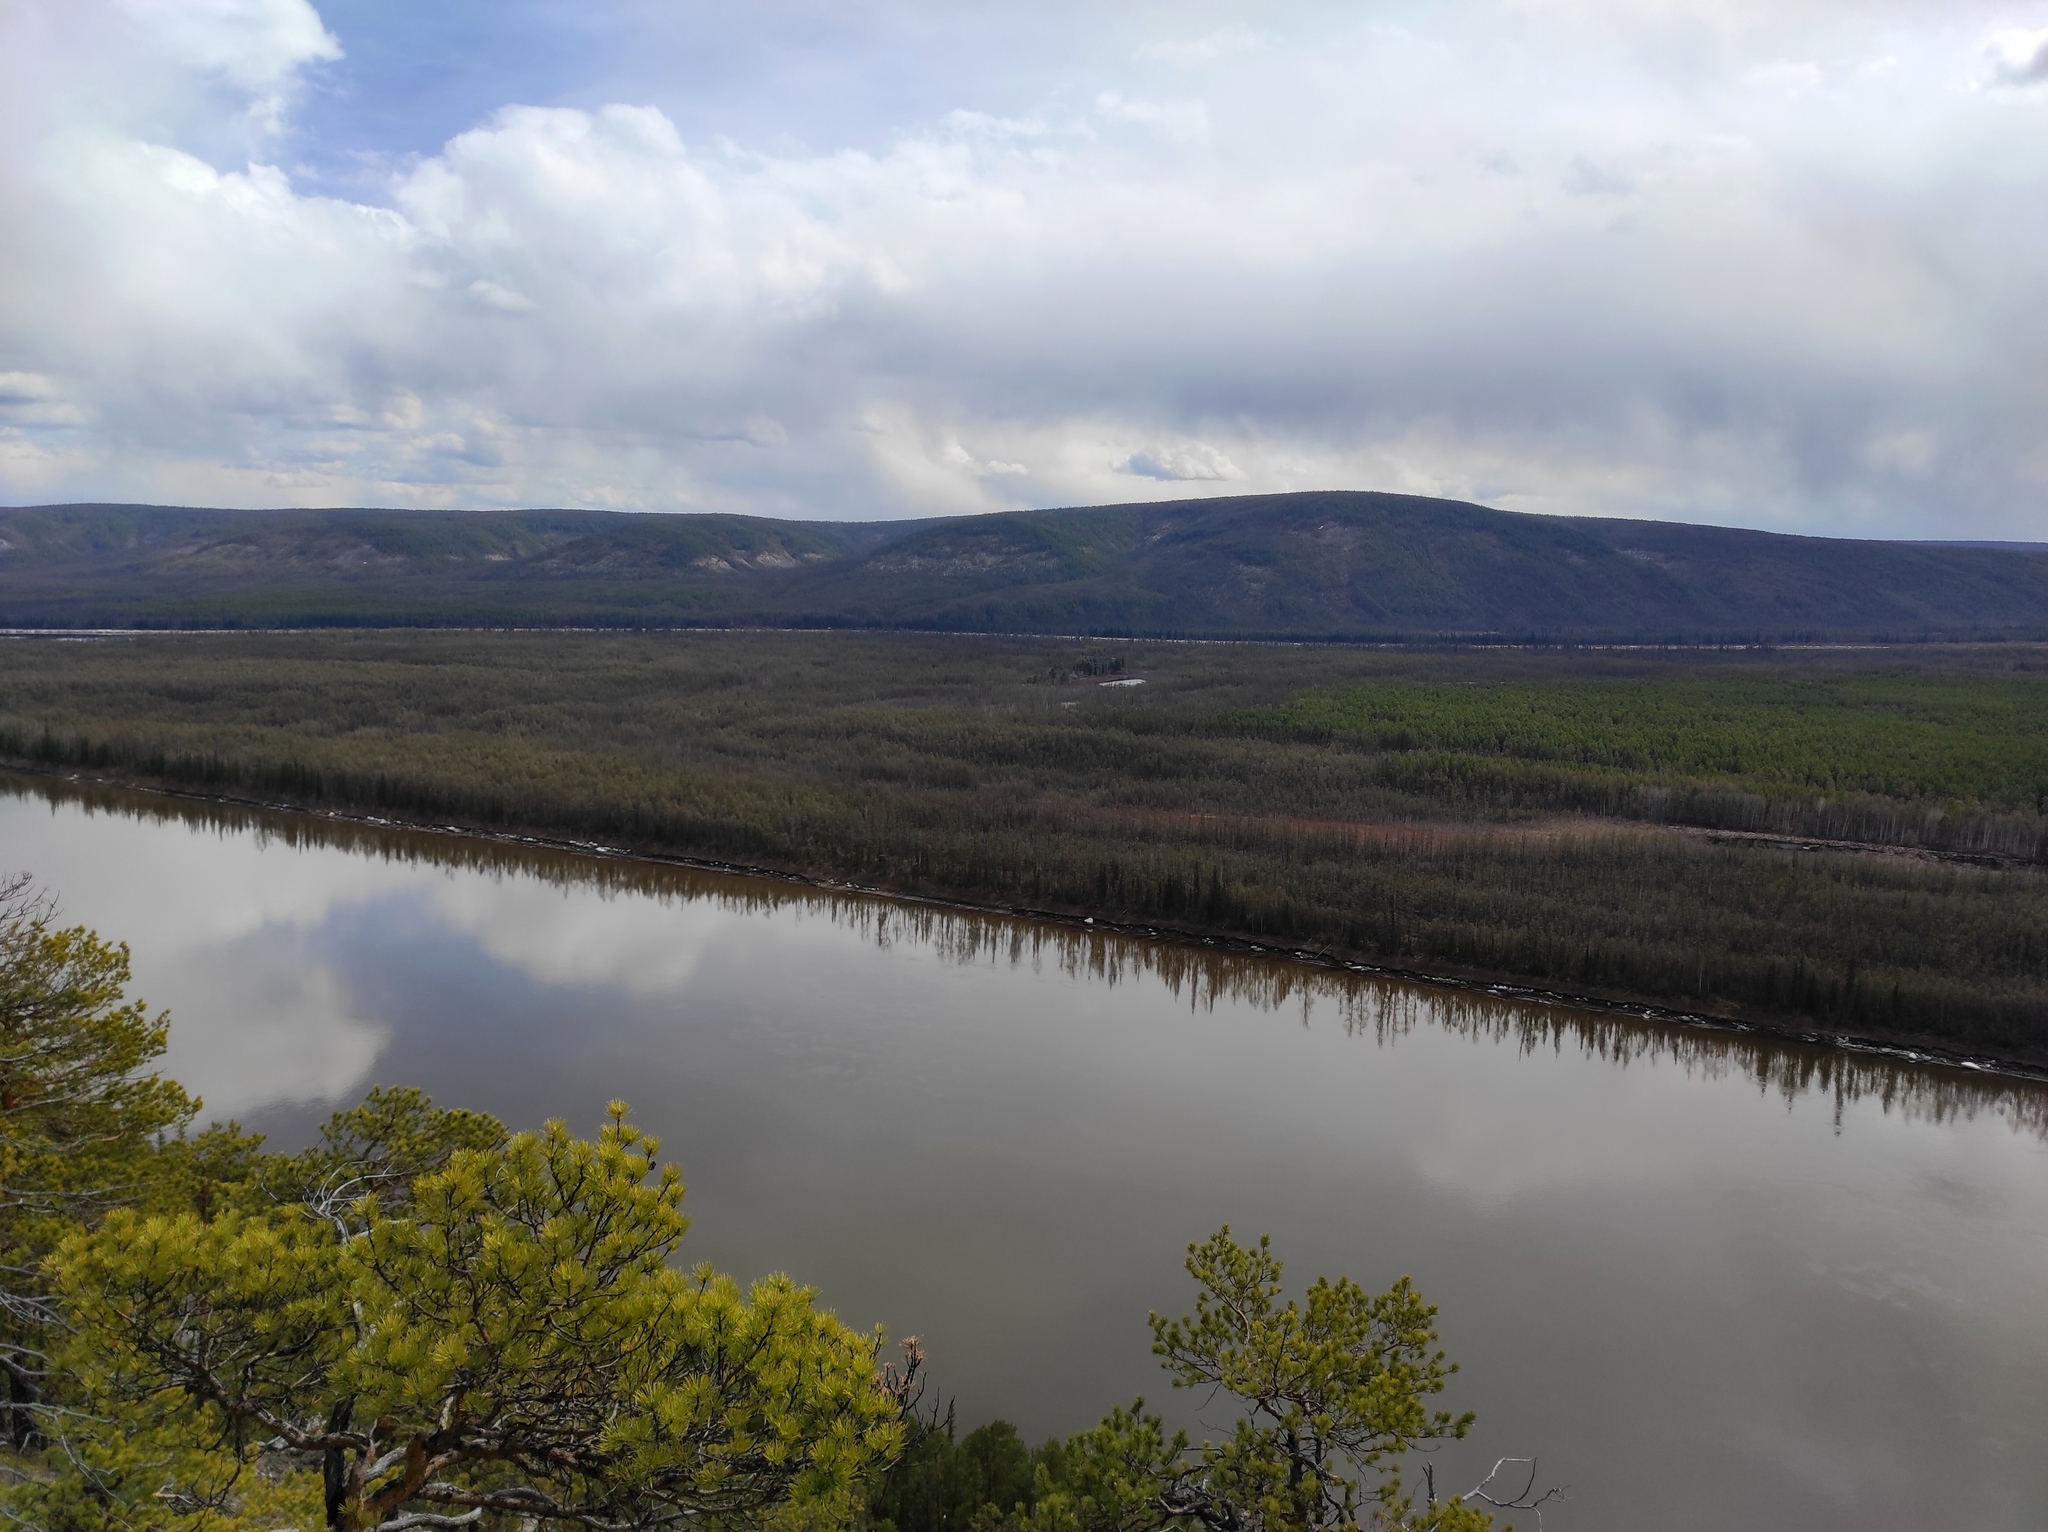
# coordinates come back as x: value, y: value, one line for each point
x: 1710, y: 1282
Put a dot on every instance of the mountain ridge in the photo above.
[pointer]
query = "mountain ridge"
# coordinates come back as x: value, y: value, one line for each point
x: 1332, y: 565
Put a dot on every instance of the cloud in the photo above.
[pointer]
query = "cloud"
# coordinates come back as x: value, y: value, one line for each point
x: 2019, y: 58
x: 1788, y: 77
x: 1180, y: 464
x: 1584, y: 178
x: 1207, y: 49
x: 259, y: 45
x: 25, y: 388
x: 492, y: 296
x: 981, y: 124
x: 1696, y: 295
x: 260, y: 50
x: 1180, y: 121
x: 957, y: 456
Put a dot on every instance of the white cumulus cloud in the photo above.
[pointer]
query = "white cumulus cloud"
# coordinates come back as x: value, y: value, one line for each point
x: 2019, y: 57
x: 259, y: 45
x: 1696, y: 260
x: 1182, y: 464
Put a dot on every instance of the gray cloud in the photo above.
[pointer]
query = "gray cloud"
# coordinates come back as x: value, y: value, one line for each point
x: 1746, y: 270
x: 1194, y: 463
x: 2019, y: 58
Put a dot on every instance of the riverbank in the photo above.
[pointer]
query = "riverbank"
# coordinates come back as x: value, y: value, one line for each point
x: 1504, y: 987
x: 997, y: 774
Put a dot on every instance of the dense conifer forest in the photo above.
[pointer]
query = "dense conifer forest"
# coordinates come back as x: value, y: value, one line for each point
x: 1845, y: 840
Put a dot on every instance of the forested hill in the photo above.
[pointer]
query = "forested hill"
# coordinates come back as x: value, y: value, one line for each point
x: 1316, y: 565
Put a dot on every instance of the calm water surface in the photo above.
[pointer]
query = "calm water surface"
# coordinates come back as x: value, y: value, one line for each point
x: 1712, y: 1285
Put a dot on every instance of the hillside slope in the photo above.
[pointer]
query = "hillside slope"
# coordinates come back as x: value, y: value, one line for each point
x: 1315, y: 565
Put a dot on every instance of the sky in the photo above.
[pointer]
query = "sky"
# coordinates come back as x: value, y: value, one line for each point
x: 1768, y: 263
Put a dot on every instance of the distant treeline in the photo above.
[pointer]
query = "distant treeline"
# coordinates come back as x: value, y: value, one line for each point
x: 1441, y: 811
x: 944, y: 1482
x: 1951, y: 761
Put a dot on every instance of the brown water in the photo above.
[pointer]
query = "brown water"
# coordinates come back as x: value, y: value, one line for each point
x: 1712, y: 1283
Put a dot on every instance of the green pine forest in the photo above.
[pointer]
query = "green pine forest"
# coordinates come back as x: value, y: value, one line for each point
x: 1846, y: 840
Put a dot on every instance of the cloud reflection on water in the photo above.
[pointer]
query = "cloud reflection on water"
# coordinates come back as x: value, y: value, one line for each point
x: 1802, y: 1284
x: 248, y: 943
x: 260, y: 1014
